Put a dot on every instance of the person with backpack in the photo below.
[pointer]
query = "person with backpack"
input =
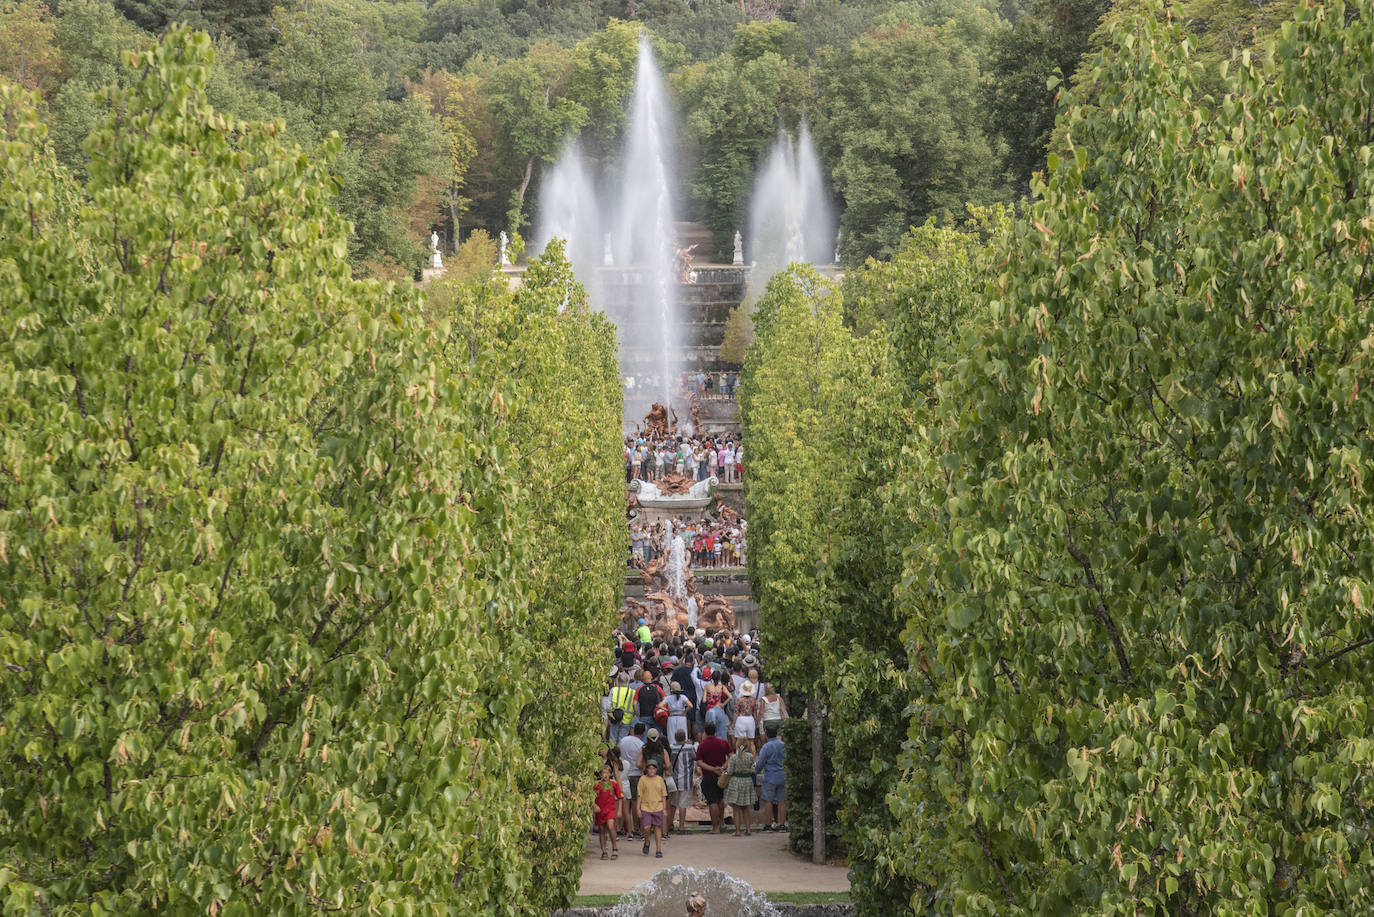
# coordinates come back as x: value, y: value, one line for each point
x: 621, y: 714
x: 647, y: 696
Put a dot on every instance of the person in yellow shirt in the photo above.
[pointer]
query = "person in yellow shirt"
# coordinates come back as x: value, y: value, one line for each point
x: 651, y: 806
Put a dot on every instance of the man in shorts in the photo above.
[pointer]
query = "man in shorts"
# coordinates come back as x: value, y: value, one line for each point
x: 769, y: 764
x: 712, y: 753
x: 630, y: 747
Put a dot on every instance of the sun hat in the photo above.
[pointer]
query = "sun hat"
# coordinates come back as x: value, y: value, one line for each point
x: 745, y: 638
x: 747, y: 689
x: 614, y: 670
x: 677, y: 688
x: 651, y: 734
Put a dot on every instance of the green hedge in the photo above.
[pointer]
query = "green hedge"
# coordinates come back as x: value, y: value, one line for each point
x: 796, y: 734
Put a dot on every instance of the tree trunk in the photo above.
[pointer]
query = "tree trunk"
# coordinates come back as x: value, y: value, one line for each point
x: 453, y: 217
x: 529, y: 173
x: 816, y: 716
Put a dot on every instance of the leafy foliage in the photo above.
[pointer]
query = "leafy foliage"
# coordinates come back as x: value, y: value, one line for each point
x: 899, y: 123
x: 267, y: 540
x: 1146, y: 626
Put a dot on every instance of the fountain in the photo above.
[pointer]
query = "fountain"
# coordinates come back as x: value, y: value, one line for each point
x: 568, y: 211
x: 790, y: 216
x: 671, y: 893
x: 637, y: 246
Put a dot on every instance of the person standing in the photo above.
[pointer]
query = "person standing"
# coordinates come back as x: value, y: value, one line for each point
x: 769, y: 766
x: 605, y: 804
x: 678, y: 708
x: 686, y: 676
x: 746, y: 715
x: 647, y: 697
x: 712, y: 754
x: 621, y: 712
x: 741, y: 794
x: 684, y: 772
x: 773, y: 709
x: 651, y: 806
x: 630, y: 747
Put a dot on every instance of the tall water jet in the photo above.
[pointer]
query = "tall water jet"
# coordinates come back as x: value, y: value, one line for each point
x: 569, y: 210
x: 643, y: 240
x: 790, y: 215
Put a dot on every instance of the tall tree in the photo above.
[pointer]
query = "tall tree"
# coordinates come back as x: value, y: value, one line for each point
x: 1150, y: 634
x: 900, y: 125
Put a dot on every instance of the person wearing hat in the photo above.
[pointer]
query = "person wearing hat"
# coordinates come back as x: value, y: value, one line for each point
x: 643, y: 634
x: 651, y: 806
x: 746, y: 725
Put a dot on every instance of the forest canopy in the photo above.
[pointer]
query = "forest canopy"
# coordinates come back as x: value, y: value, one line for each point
x: 449, y: 111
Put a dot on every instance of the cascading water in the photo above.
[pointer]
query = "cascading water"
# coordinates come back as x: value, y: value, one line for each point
x: 677, y: 569
x: 639, y: 236
x: 790, y: 217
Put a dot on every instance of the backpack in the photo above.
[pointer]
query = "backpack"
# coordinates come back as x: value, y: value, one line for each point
x: 656, y: 689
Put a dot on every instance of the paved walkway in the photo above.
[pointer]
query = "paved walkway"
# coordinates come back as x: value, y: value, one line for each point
x: 761, y: 860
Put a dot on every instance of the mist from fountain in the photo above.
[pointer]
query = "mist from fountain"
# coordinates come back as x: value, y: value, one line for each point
x: 790, y: 215
x: 568, y: 210
x: 665, y: 895
x: 640, y: 224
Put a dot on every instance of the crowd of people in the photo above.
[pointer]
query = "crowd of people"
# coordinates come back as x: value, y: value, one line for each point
x: 709, y: 544
x: 698, y: 458
x: 687, y: 721
x: 703, y: 384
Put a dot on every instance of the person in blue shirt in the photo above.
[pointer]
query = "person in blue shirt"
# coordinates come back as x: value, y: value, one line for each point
x: 769, y: 764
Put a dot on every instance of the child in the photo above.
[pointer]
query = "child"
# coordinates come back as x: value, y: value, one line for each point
x: 608, y: 795
x: 651, y: 805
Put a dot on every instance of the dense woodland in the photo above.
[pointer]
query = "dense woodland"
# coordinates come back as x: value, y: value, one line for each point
x: 448, y: 111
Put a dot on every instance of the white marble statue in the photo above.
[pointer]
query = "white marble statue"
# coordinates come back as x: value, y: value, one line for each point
x: 739, y: 249
x: 505, y: 259
x: 435, y: 259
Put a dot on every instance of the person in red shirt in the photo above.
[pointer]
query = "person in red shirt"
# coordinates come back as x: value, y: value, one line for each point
x: 608, y: 794
x: 712, y: 753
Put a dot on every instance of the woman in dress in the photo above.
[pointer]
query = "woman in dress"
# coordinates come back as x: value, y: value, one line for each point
x: 678, y: 708
x: 741, y: 794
